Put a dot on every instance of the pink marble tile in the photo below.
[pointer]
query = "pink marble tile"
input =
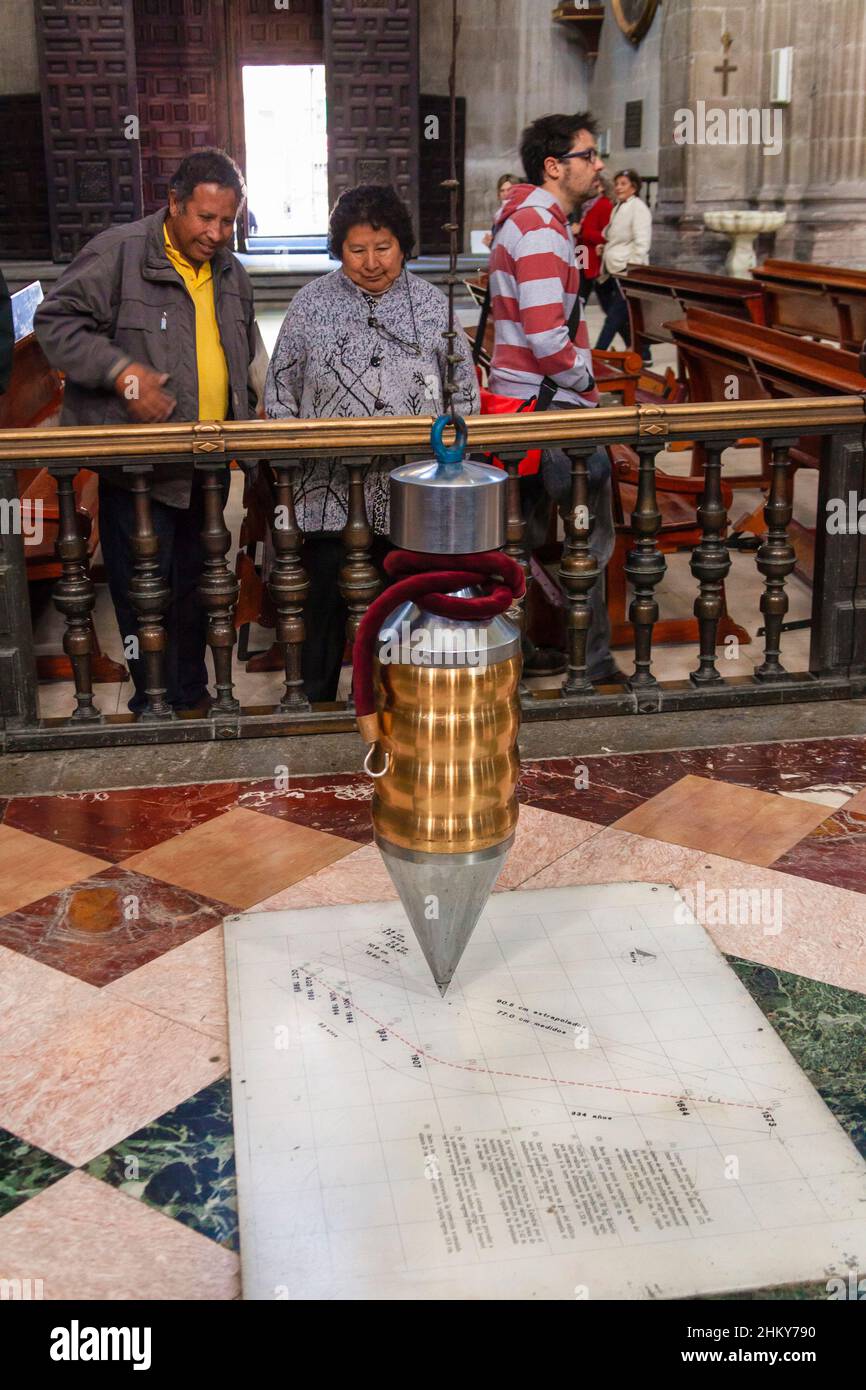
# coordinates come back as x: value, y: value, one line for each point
x: 811, y: 929
x: 360, y: 877
x: 80, y: 1070
x: 86, y: 1240
x: 615, y: 856
x: 187, y: 985
x: 541, y: 838
x: 31, y: 997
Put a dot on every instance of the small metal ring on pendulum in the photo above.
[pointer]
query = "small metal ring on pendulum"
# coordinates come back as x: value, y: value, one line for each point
x: 367, y: 768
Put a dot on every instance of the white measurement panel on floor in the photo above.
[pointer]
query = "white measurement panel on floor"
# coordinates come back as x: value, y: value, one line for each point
x: 597, y: 1109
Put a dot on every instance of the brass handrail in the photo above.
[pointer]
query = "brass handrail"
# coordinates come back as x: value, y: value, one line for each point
x: 411, y: 434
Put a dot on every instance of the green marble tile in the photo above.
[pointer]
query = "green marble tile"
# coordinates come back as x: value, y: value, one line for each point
x: 824, y: 1029
x: 24, y: 1171
x: 183, y: 1164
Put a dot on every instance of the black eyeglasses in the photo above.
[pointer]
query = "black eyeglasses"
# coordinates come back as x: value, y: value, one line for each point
x: 580, y: 154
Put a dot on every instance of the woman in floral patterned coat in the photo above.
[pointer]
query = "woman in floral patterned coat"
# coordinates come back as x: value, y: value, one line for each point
x: 366, y: 340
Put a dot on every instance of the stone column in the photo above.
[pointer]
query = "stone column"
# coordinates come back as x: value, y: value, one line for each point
x: 824, y: 168
x: 819, y: 176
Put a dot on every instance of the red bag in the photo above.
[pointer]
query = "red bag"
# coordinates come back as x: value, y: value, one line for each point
x: 492, y: 404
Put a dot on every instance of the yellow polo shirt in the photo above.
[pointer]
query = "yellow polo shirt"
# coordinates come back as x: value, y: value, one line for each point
x: 213, y: 374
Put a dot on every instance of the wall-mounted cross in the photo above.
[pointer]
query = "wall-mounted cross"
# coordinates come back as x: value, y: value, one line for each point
x: 726, y: 69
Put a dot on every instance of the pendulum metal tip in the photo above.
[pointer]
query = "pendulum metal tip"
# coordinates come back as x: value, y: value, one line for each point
x: 443, y: 896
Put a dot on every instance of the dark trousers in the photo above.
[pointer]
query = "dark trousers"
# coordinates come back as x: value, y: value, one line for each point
x: 326, y: 612
x: 613, y: 302
x: 181, y: 559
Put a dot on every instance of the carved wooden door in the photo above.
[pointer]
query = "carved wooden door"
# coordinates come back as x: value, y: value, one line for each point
x: 92, y: 157
x: 371, y: 53
x: 183, y: 90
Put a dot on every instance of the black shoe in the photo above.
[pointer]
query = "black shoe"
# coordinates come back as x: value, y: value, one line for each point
x: 545, y: 661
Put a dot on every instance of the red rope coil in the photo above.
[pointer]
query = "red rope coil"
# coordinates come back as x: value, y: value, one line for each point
x: 419, y: 579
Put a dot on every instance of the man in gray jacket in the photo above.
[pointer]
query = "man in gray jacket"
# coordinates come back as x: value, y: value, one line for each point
x: 153, y: 321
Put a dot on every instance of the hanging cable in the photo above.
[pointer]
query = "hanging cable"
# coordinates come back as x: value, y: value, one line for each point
x: 452, y: 226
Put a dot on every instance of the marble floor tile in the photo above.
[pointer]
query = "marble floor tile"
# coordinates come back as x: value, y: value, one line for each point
x: 32, y: 996
x: 241, y: 856
x: 86, y: 1241
x: 186, y: 984
x: 604, y: 788
x: 835, y: 852
x: 359, y: 878
x: 541, y: 838
x: 81, y: 1070
x: 24, y: 1171
x: 32, y: 868
x: 824, y: 1028
x: 614, y: 856
x: 779, y: 920
x: 118, y: 823
x: 109, y: 924
x: 339, y: 804
x: 183, y: 1164
x: 738, y: 822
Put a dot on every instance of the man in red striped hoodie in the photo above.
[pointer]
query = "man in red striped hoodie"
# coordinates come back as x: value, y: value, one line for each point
x: 534, y: 281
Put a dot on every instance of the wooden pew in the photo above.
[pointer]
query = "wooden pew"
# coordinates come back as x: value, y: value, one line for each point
x: 654, y: 293
x: 767, y: 364
x: 822, y: 301
x: 766, y: 361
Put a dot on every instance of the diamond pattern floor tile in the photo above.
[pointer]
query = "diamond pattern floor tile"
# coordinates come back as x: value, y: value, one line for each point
x: 80, y: 1070
x: 86, y: 1241
x: 119, y: 823
x: 737, y: 822
x: 246, y: 855
x: 109, y: 924
x: 183, y: 1164
x: 187, y: 985
x: 24, y: 1171
x: 33, y: 868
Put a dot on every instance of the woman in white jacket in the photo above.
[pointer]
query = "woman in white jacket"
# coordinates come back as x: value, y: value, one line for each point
x: 627, y: 241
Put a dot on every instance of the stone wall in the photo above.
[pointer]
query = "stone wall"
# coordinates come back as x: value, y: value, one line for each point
x: 514, y: 65
x: 624, y: 73
x: 818, y: 175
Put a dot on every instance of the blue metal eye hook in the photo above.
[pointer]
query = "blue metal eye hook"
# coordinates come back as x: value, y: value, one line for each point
x: 448, y: 456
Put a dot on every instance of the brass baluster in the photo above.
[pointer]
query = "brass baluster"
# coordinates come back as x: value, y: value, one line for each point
x: 776, y: 559
x: 150, y: 595
x: 75, y: 595
x: 359, y: 578
x: 710, y: 565
x: 218, y: 586
x: 644, y: 568
x: 288, y: 584
x: 578, y: 572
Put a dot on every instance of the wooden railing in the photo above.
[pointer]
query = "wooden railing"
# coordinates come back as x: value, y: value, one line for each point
x: 837, y: 664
